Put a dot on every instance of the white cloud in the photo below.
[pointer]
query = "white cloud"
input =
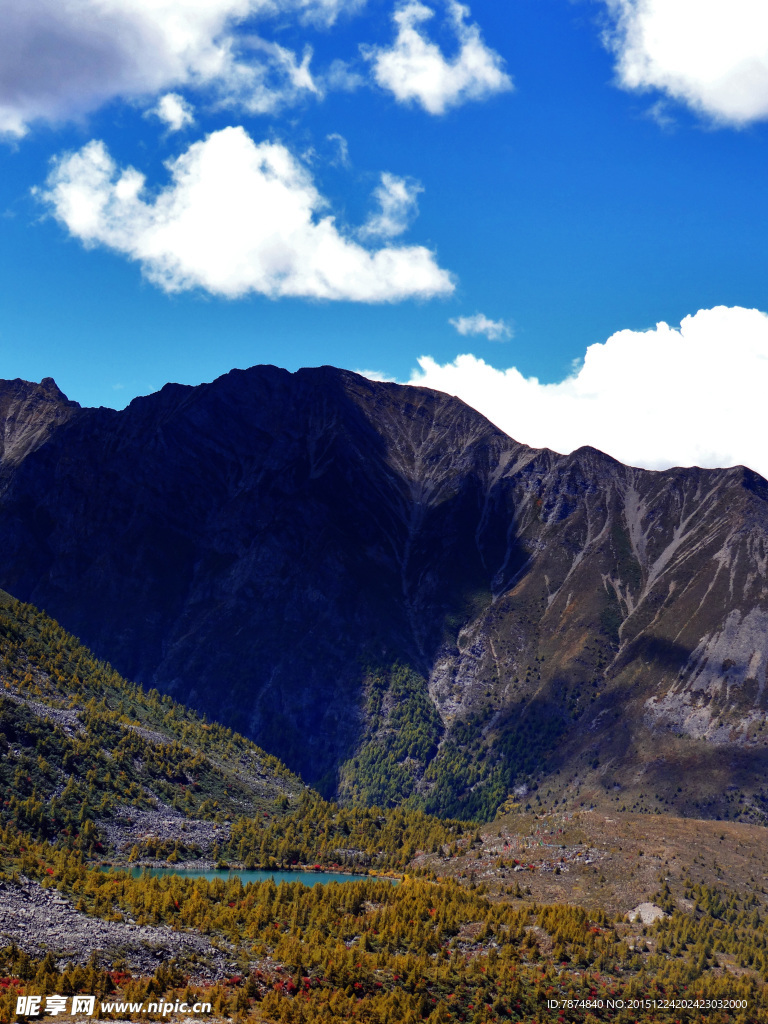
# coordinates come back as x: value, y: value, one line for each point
x: 398, y: 206
x: 174, y: 111
x: 709, y: 54
x: 274, y: 78
x: 416, y: 70
x: 237, y: 217
x: 658, y: 398
x: 342, y: 147
x: 341, y: 76
x: 320, y: 12
x: 494, y: 330
x: 61, y: 60
x: 375, y: 375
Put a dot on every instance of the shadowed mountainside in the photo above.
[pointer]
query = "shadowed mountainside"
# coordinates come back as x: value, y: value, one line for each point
x: 387, y: 592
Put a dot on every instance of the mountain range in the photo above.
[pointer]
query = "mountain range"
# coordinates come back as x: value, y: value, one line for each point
x: 382, y: 589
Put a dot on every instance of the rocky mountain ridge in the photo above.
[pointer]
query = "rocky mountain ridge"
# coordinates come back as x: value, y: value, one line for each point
x: 30, y: 413
x: 398, y: 600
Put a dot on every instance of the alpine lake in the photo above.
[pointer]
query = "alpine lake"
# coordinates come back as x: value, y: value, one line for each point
x: 308, y: 878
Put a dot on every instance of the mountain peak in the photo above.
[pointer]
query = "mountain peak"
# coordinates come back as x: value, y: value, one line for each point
x: 325, y: 562
x: 29, y: 415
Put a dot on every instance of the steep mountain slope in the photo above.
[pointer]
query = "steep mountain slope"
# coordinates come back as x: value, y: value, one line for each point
x: 90, y: 761
x: 252, y: 544
x: 390, y: 594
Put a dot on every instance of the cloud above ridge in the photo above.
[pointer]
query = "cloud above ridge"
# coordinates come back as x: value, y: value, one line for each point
x: 398, y: 205
x: 415, y: 70
x: 711, y: 56
x: 479, y: 323
x: 238, y: 217
x: 693, y: 395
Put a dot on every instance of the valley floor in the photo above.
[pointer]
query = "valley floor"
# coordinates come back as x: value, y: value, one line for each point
x: 609, y: 859
x: 529, y: 922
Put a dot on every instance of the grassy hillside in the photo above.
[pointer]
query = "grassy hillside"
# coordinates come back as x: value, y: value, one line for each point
x: 92, y: 763
x: 80, y: 746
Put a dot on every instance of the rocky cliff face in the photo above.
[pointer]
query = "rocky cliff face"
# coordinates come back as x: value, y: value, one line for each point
x: 29, y: 415
x: 384, y: 590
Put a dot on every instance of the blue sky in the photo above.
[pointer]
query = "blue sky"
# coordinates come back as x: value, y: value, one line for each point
x: 193, y: 185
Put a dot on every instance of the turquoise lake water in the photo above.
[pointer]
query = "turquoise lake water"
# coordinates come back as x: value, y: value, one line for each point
x: 309, y: 878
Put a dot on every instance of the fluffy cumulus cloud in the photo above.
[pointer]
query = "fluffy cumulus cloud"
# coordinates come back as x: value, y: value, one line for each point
x: 693, y: 395
x: 711, y: 55
x: 398, y: 205
x: 62, y: 60
x: 174, y: 111
x: 416, y: 70
x: 237, y: 217
x: 479, y: 323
